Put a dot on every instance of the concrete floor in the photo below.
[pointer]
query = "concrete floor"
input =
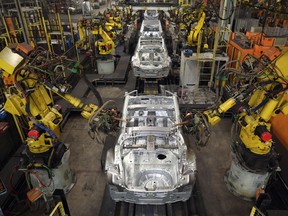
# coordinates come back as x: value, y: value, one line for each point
x: 213, y: 161
x: 86, y: 196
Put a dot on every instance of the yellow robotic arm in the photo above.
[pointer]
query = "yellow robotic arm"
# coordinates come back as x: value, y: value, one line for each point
x: 87, y: 110
x: 266, y: 100
x: 105, y: 45
x: 213, y: 116
x: 192, y: 38
x: 253, y: 155
x: 29, y: 87
x: 31, y: 99
x: 29, y: 96
x: 254, y: 128
x: 113, y: 23
x: 255, y: 134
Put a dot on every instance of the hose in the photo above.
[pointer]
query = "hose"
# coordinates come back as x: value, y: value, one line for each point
x: 98, y: 111
x: 93, y: 89
x: 50, y: 132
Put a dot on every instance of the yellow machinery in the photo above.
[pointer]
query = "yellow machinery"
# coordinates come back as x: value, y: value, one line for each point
x: 191, y: 20
x: 31, y: 98
x: 184, y: 3
x: 83, y: 34
x: 213, y: 116
x: 27, y: 97
x: 92, y: 31
x: 192, y: 39
x: 112, y: 23
x: 58, y: 210
x: 176, y: 16
x: 262, y: 95
x: 31, y: 78
x: 117, y: 20
x: 103, y: 43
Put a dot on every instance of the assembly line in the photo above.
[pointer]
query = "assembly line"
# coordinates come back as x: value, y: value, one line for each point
x: 142, y: 107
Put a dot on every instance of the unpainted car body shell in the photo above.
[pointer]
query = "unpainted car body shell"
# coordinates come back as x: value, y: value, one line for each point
x: 151, y: 59
x: 151, y: 163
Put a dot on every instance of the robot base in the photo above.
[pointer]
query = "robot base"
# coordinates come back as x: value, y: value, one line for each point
x: 62, y: 177
x: 243, y: 182
x: 105, y: 66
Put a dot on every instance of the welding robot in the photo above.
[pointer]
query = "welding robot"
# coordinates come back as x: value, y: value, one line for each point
x: 29, y: 86
x: 103, y: 43
x: 262, y: 96
x: 257, y: 94
x: 103, y: 46
x: 112, y: 22
x: 194, y: 29
x: 193, y: 25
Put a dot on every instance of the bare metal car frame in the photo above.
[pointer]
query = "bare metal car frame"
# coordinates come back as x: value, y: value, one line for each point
x: 151, y: 163
x: 151, y: 59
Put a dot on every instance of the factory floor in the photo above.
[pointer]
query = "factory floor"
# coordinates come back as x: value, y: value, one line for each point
x: 85, y: 198
x: 212, y: 161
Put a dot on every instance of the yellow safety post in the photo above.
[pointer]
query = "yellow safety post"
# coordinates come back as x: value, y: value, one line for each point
x: 5, y: 39
x: 58, y: 208
x: 48, y: 38
x: 6, y: 27
x: 61, y: 31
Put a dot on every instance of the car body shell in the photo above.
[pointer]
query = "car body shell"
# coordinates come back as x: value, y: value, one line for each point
x: 151, y: 162
x: 151, y: 59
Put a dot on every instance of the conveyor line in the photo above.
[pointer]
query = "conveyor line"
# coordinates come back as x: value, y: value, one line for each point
x: 192, y: 207
x: 152, y: 86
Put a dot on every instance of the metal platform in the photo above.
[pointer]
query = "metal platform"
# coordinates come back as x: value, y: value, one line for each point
x: 119, y: 76
x: 156, y: 86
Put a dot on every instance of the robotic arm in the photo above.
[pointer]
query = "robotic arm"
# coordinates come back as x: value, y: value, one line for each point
x: 29, y: 94
x: 264, y: 98
x: 192, y: 38
x: 259, y: 88
x: 30, y: 81
x: 104, y: 44
x: 254, y: 124
x: 214, y: 116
